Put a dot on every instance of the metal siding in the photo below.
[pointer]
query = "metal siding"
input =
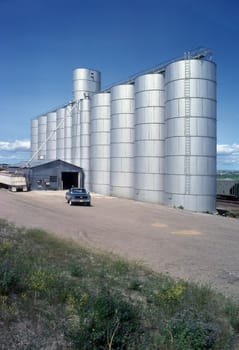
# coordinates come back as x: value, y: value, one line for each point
x: 34, y: 138
x: 85, y: 140
x: 51, y: 136
x: 85, y: 82
x: 76, y: 134
x: 149, y: 138
x: 122, y: 141
x: 60, y: 133
x: 100, y: 143
x: 68, y: 134
x: 191, y: 135
x: 42, y: 121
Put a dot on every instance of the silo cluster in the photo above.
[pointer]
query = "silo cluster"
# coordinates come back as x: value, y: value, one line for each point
x: 151, y: 138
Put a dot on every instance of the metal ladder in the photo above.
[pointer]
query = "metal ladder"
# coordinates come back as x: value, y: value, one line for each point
x: 187, y: 163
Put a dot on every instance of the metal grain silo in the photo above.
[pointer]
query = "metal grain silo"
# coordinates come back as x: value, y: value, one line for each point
x: 191, y: 134
x: 122, y: 141
x: 85, y: 140
x: 85, y: 83
x: 75, y: 147
x: 68, y: 133
x: 149, y: 138
x: 42, y: 121
x: 100, y: 143
x: 51, y: 136
x: 60, y: 133
x: 34, y: 139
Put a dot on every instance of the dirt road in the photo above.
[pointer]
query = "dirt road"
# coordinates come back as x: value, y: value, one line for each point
x: 193, y: 246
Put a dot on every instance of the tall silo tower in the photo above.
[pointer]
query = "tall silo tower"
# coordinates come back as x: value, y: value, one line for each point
x: 85, y: 140
x: 149, y: 138
x: 68, y: 133
x: 85, y: 83
x: 100, y: 143
x: 191, y: 134
x: 60, y: 133
x: 42, y: 122
x: 34, y: 139
x: 51, y: 136
x: 122, y: 141
x: 75, y: 150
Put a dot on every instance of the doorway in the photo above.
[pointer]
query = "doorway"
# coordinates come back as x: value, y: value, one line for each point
x: 69, y: 179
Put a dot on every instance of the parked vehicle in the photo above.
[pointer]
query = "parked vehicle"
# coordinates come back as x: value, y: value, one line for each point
x: 77, y: 195
x: 14, y: 182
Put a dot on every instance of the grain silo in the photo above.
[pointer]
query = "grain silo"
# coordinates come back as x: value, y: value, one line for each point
x: 42, y: 121
x: 75, y: 147
x: 85, y: 83
x: 122, y: 141
x: 68, y: 133
x: 85, y: 139
x: 100, y: 143
x: 191, y: 134
x: 149, y: 138
x: 51, y: 136
x: 34, y: 139
x: 60, y: 133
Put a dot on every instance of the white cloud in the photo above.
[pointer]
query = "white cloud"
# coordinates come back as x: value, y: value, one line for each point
x: 228, y: 149
x: 228, y: 156
x: 16, y: 145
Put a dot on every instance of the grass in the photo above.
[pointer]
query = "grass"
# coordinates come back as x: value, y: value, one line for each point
x: 56, y: 295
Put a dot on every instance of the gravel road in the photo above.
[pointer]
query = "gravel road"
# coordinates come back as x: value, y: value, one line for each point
x: 198, y: 247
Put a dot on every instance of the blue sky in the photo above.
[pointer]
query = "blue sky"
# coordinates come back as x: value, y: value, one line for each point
x: 42, y: 41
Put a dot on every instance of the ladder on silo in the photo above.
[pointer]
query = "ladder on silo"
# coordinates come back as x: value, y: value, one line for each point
x: 187, y: 132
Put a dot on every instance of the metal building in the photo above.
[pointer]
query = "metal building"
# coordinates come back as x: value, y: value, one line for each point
x: 149, y: 138
x: 54, y: 175
x: 100, y: 143
x: 191, y: 134
x: 122, y: 141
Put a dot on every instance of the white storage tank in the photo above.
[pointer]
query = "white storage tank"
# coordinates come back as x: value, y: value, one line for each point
x: 42, y: 121
x: 149, y: 138
x: 85, y: 140
x: 51, y: 136
x: 191, y: 134
x: 75, y: 149
x: 68, y: 133
x: 34, y: 139
x: 60, y: 133
x: 85, y: 83
x: 100, y: 143
x: 122, y: 141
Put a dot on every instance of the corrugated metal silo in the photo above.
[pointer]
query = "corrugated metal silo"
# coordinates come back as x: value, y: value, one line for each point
x: 42, y: 121
x: 68, y: 133
x: 191, y: 134
x: 60, y: 133
x: 149, y: 138
x: 34, y: 139
x: 122, y: 141
x: 85, y: 82
x: 75, y: 155
x: 51, y: 136
x: 100, y: 143
x: 85, y: 140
